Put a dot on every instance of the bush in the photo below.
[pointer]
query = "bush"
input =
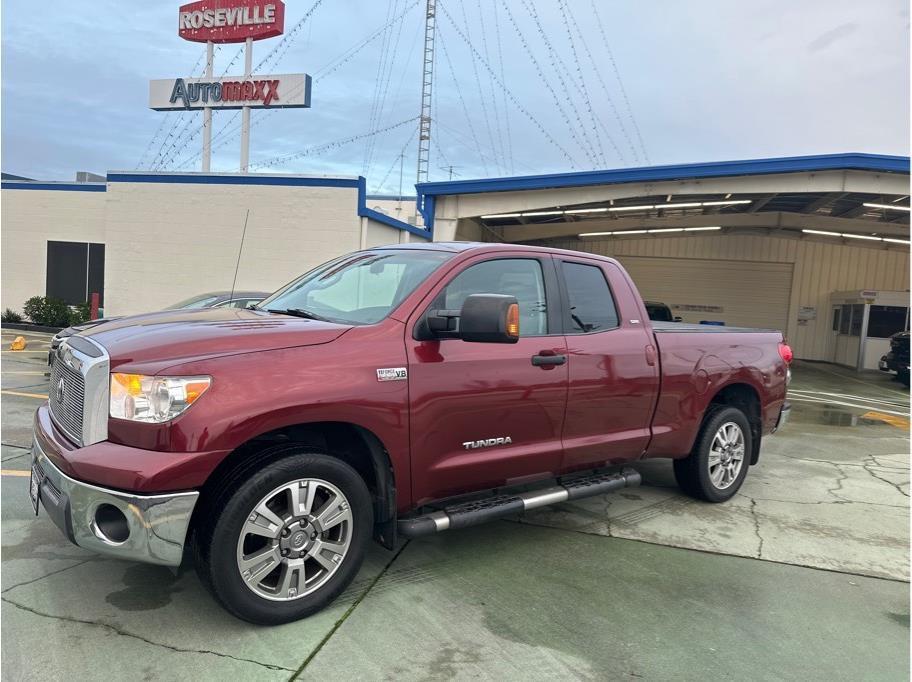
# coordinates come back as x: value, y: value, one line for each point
x: 10, y: 316
x: 47, y: 311
x: 80, y: 313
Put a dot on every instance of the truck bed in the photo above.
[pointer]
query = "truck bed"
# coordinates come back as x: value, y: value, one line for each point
x: 660, y: 327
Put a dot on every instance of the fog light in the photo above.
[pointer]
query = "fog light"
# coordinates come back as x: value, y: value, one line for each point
x: 110, y: 524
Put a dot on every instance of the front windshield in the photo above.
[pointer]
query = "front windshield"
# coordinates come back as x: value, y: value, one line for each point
x: 360, y: 288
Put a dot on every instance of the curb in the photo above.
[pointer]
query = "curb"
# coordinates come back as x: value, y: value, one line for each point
x: 22, y: 326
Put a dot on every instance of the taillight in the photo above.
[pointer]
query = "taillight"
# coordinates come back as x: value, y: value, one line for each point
x: 785, y: 352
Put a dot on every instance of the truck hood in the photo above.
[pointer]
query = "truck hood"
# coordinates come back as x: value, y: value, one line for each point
x: 175, y: 336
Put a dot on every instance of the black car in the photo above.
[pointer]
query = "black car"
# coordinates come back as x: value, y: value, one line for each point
x: 897, y: 360
x: 214, y: 299
x: 660, y: 312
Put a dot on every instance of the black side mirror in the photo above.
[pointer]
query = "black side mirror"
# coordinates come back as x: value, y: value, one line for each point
x: 489, y: 318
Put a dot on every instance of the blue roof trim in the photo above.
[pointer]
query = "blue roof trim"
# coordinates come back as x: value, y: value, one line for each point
x: 194, y: 179
x: 55, y: 186
x: 370, y: 213
x: 793, y: 164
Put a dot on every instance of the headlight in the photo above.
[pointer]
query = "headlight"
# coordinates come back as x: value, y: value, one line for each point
x: 154, y: 399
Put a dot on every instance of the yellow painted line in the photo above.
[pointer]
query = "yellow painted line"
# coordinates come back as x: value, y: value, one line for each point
x: 892, y: 420
x: 13, y: 372
x: 25, y: 395
x: 15, y: 472
x: 26, y: 352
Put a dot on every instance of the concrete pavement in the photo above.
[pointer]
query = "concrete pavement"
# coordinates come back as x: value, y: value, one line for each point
x: 643, y: 584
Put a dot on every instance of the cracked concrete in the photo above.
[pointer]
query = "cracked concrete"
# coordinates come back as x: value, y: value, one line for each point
x: 575, y: 598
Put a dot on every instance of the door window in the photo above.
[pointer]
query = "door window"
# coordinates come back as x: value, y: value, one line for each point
x: 519, y: 277
x: 591, y: 306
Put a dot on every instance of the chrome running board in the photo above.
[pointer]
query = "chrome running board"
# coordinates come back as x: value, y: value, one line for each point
x: 486, y: 509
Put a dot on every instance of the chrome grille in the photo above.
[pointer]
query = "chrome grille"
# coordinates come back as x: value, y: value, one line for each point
x: 68, y: 384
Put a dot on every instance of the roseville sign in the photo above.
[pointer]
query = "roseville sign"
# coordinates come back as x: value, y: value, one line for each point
x: 282, y: 91
x: 231, y: 21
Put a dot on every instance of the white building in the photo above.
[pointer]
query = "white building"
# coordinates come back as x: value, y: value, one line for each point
x: 764, y: 243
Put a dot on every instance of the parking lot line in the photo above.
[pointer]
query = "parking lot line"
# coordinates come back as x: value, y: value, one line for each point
x: 898, y: 422
x: 39, y: 396
x: 15, y: 372
x: 15, y: 472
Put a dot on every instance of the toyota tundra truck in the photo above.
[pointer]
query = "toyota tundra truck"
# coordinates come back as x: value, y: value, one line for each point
x: 389, y: 393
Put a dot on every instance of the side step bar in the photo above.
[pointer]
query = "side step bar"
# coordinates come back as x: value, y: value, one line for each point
x: 480, y: 511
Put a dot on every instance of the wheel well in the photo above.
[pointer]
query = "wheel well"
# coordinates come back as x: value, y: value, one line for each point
x: 746, y: 399
x: 354, y: 445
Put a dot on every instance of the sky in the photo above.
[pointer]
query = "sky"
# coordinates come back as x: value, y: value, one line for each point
x: 520, y: 86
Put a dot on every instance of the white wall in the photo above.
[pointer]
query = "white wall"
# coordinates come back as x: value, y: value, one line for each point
x: 168, y: 241
x: 30, y: 218
x: 820, y: 268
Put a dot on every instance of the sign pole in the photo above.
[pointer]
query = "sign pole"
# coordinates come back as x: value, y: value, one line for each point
x: 245, y: 111
x: 207, y: 114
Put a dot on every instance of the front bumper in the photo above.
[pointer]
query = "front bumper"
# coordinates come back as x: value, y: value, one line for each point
x: 155, y: 525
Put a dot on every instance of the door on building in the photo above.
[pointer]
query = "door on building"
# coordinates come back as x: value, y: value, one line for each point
x: 75, y: 270
x: 738, y: 293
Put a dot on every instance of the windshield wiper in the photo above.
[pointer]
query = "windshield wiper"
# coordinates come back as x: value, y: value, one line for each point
x: 299, y: 312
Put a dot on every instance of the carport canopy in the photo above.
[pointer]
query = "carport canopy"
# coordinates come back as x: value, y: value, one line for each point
x: 840, y: 196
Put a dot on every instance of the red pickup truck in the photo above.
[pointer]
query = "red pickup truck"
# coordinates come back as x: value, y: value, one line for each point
x: 391, y: 392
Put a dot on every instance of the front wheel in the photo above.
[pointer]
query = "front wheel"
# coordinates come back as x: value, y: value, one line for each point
x: 286, y: 541
x: 718, y: 463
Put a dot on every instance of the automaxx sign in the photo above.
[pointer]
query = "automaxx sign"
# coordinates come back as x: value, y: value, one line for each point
x: 275, y: 91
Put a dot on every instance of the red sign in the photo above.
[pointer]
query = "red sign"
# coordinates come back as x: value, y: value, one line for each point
x: 231, y: 21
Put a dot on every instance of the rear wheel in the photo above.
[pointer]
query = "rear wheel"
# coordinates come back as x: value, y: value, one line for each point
x: 286, y: 541
x: 717, y: 466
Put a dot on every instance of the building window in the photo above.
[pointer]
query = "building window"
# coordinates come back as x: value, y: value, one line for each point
x: 75, y: 270
x: 886, y: 320
x: 845, y: 319
x: 857, y: 317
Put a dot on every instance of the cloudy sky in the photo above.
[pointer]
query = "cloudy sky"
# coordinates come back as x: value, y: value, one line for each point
x: 638, y: 84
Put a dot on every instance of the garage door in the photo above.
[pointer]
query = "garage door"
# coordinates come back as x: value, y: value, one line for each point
x: 739, y: 293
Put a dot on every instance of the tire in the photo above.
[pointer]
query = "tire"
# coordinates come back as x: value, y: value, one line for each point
x: 295, y: 565
x: 698, y: 474
x: 903, y: 377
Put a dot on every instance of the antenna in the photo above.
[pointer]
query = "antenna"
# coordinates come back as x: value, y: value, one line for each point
x: 240, y: 251
x: 450, y: 169
x: 427, y: 86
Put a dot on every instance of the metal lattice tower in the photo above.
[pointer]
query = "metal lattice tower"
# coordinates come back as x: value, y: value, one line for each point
x: 427, y: 86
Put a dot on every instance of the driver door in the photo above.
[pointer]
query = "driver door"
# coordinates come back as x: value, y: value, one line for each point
x: 482, y: 414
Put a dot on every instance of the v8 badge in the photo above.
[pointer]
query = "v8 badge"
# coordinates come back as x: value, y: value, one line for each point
x: 392, y: 374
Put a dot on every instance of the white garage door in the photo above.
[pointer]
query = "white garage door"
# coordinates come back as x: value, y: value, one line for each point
x: 739, y: 293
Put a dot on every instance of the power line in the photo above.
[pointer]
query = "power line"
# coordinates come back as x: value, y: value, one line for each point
x: 506, y: 109
x: 605, y: 89
x: 584, y: 91
x: 481, y: 96
x: 319, y: 149
x: 465, y: 108
x: 550, y: 88
x: 487, y: 56
x: 556, y: 62
x: 617, y: 74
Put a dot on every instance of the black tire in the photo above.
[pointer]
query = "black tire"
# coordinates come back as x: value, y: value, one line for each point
x: 220, y: 522
x: 692, y: 472
x: 903, y: 377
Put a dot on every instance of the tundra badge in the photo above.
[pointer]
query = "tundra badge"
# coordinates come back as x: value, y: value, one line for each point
x: 392, y: 374
x: 487, y: 442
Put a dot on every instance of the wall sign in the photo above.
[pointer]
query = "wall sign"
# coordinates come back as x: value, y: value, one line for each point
x: 694, y: 308
x: 807, y: 312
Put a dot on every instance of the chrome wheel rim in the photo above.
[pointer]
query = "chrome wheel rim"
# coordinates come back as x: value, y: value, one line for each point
x: 294, y: 539
x: 726, y: 455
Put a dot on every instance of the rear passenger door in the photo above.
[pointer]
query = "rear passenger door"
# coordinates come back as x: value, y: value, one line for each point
x: 613, y: 371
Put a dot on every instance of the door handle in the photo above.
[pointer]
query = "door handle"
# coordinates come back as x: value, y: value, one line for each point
x: 548, y: 360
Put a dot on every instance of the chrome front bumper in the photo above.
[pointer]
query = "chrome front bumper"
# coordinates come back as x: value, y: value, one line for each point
x: 783, y: 416
x: 155, y: 525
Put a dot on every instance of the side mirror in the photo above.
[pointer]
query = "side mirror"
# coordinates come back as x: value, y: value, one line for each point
x: 489, y: 318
